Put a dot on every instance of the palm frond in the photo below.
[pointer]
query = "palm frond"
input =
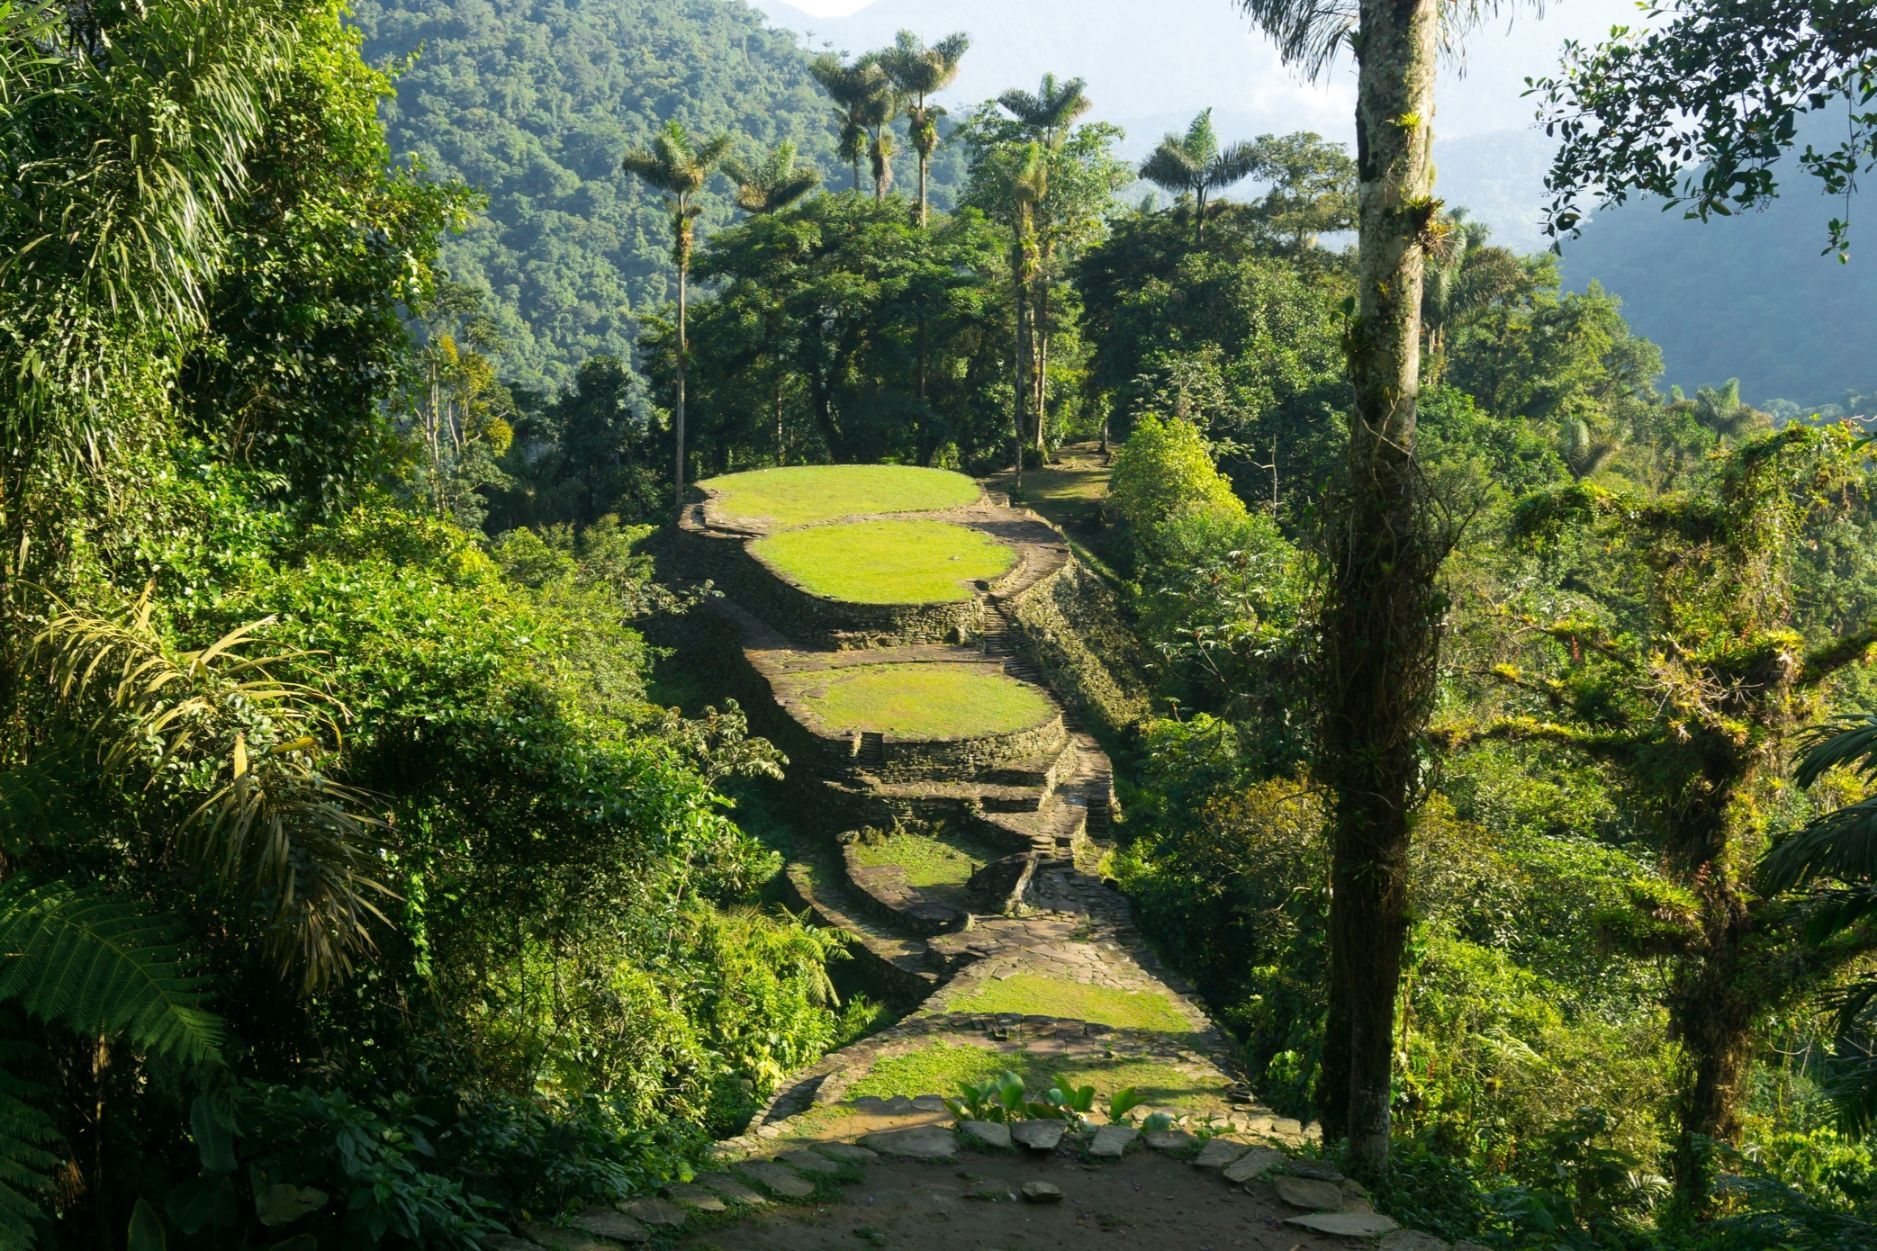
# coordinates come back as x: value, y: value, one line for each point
x: 1234, y: 164
x: 1840, y: 845
x: 1311, y: 34
x: 80, y: 959
x: 1170, y: 168
x: 1851, y: 742
x: 243, y: 758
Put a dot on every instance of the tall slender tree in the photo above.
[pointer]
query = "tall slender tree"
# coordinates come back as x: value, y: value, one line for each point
x: 920, y: 72
x: 679, y: 166
x: 769, y: 186
x: 1382, y: 609
x: 850, y: 87
x: 1194, y: 164
x: 1048, y: 116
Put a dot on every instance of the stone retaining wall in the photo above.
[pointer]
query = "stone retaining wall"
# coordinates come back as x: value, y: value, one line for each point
x: 1093, y: 665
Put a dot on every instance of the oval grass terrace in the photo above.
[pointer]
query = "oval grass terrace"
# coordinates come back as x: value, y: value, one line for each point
x: 891, y: 561
x: 931, y: 702
x: 778, y: 499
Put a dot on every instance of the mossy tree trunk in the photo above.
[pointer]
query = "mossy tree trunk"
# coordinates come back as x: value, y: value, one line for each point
x: 1381, y: 614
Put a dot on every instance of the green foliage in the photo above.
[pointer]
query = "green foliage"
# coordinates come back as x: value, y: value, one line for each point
x: 1165, y: 473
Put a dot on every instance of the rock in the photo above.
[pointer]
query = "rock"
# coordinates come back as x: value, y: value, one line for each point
x: 1253, y: 1164
x: 1112, y: 1141
x: 507, y: 1242
x: 777, y: 1180
x: 898, y: 1105
x: 696, y: 1198
x: 1353, y: 1188
x: 1412, y: 1240
x: 922, y: 1142
x: 810, y: 1162
x: 563, y: 1239
x: 1345, y: 1224
x: 929, y: 1103
x: 1220, y: 1152
x: 1305, y: 1192
x: 724, y: 1187
x: 999, y: 883
x: 607, y: 1223
x: 1171, y: 1140
x: 1037, y: 1135
x: 655, y: 1212
x: 1042, y: 1192
x: 847, y: 1153
x: 986, y: 1134
x: 1315, y: 1170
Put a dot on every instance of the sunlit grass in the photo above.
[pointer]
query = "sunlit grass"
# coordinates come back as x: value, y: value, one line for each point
x: 810, y: 493
x: 886, y: 562
x: 918, y: 701
x: 1032, y: 995
x: 942, y: 1070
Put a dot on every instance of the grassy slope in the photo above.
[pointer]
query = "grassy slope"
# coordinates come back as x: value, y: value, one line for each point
x: 810, y: 493
x: 886, y: 562
x: 931, y: 701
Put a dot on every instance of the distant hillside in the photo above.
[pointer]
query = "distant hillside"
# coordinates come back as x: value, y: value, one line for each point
x: 1746, y: 297
x: 534, y: 101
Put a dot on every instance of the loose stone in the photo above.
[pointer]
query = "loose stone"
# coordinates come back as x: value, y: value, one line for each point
x: 1112, y: 1141
x: 1037, y: 1135
x: 1220, y: 1152
x: 1316, y: 1170
x: 607, y: 1223
x: 1254, y: 1164
x: 1042, y: 1192
x: 724, y: 1187
x: 1305, y: 1192
x: 778, y: 1180
x: 986, y: 1134
x: 1171, y: 1140
x: 696, y: 1198
x: 922, y: 1142
x: 1345, y: 1224
x: 846, y: 1152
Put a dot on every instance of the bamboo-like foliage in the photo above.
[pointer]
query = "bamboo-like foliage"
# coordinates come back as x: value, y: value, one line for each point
x: 242, y: 757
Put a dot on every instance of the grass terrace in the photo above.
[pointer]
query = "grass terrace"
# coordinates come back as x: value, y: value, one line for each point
x: 940, y: 863
x: 886, y: 562
x: 1031, y: 994
x: 918, y: 701
x: 801, y: 496
x: 942, y: 1070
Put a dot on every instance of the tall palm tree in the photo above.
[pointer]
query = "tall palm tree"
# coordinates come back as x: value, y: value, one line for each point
x: 679, y: 166
x: 769, y: 186
x: 920, y: 72
x: 1048, y: 114
x: 1381, y: 616
x: 865, y: 104
x: 1194, y: 164
x: 1024, y: 175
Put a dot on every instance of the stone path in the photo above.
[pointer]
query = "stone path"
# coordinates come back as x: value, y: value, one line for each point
x: 1041, y: 968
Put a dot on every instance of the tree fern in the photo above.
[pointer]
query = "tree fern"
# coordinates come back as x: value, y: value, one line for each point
x: 76, y: 957
x: 27, y: 1139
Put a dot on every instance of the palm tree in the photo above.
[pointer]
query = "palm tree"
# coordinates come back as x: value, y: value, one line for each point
x: 1024, y: 177
x: 865, y: 105
x: 1194, y: 164
x: 1048, y: 115
x: 678, y: 166
x: 773, y: 183
x: 1381, y: 614
x: 769, y: 186
x: 921, y: 72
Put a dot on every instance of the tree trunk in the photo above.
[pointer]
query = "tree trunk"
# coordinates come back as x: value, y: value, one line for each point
x: 923, y: 159
x: 1042, y: 365
x: 1713, y: 1020
x: 684, y: 273
x: 1381, y: 615
x: 1023, y: 381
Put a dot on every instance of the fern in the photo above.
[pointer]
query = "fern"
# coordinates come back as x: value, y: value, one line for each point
x: 27, y: 1139
x: 76, y: 957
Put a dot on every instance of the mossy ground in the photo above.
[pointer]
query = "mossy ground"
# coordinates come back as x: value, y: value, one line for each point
x: 918, y: 701
x: 810, y: 493
x: 886, y: 562
x: 943, y: 1070
x: 1031, y: 994
x: 938, y: 863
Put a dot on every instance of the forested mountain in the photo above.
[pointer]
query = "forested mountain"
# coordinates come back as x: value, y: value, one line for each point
x: 533, y: 103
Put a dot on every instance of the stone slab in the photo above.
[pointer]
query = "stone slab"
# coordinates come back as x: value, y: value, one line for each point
x: 985, y: 1134
x: 1412, y: 1240
x: 847, y: 1152
x: 1308, y: 1193
x: 655, y: 1212
x: 922, y: 1142
x: 1171, y: 1140
x: 811, y: 1162
x: 696, y: 1198
x: 729, y: 1189
x: 1037, y: 1135
x: 1112, y: 1141
x: 612, y: 1225
x: 563, y: 1239
x: 1220, y: 1152
x: 1253, y: 1164
x: 777, y: 1180
x: 1345, y: 1224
